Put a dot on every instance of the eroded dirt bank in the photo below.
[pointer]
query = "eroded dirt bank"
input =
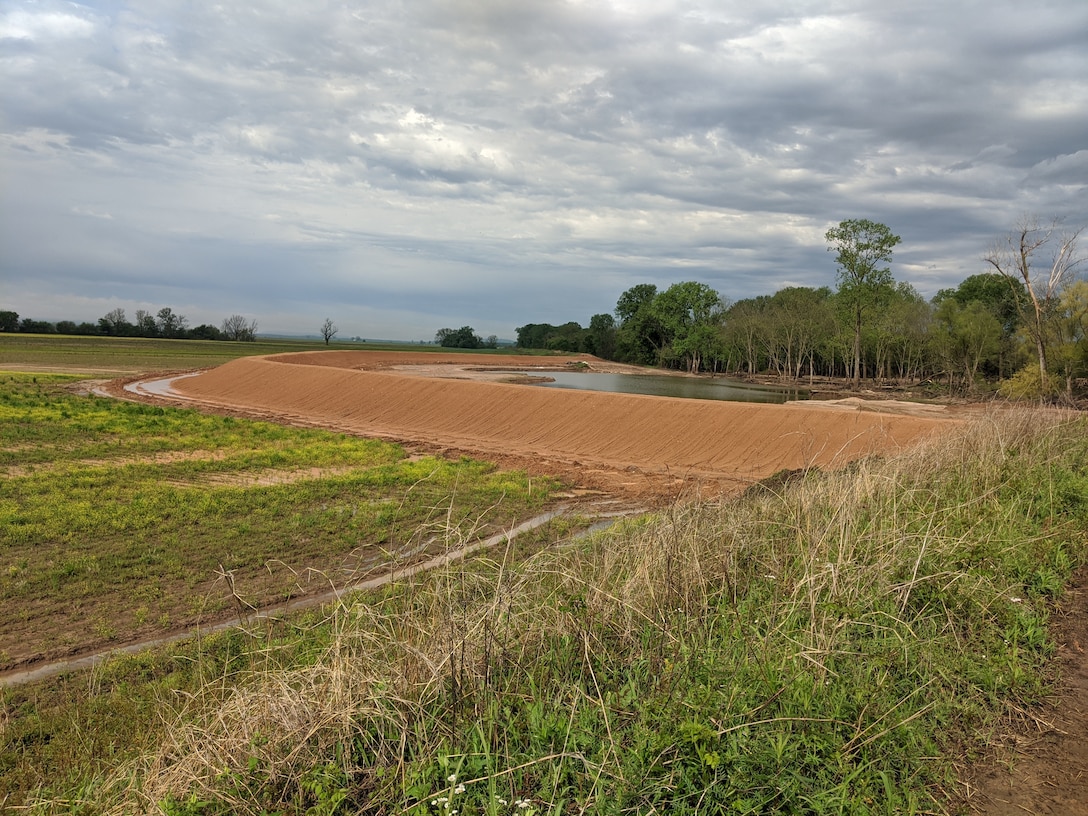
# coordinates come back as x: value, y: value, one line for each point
x: 634, y: 442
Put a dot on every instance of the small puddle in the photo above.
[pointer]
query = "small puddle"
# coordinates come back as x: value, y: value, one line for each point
x: 159, y: 388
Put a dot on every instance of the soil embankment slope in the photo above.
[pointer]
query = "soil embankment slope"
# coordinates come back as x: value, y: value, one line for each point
x: 650, y: 439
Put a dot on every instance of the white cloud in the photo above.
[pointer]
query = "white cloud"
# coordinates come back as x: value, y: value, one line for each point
x: 25, y: 24
x: 90, y: 212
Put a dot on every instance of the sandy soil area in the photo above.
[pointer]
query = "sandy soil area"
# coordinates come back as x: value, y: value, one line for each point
x: 617, y: 442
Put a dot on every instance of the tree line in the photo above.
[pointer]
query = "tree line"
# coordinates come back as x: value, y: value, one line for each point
x: 464, y: 337
x: 1023, y: 323
x: 166, y: 323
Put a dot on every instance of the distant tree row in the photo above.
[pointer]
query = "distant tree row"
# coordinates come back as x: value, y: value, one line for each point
x: 1025, y: 322
x: 464, y: 337
x: 165, y: 323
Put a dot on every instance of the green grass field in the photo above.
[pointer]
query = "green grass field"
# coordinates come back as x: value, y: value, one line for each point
x: 123, y: 521
x: 106, y: 356
x: 120, y: 520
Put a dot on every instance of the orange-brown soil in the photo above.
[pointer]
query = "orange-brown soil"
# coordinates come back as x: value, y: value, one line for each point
x: 620, y: 442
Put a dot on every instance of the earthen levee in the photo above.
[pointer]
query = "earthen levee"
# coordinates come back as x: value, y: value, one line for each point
x: 724, y: 440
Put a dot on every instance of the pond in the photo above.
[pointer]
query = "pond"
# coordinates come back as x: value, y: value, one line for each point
x: 717, y: 388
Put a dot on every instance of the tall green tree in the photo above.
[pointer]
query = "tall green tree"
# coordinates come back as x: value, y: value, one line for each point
x: 1004, y: 298
x: 891, y: 336
x: 861, y: 248
x: 529, y: 336
x: 797, y: 319
x: 965, y: 336
x: 146, y: 325
x: 909, y: 322
x: 747, y: 330
x: 170, y: 323
x: 205, y: 331
x: 568, y: 337
x: 640, y: 336
x: 29, y: 326
x: 1071, y: 334
x: 601, y: 336
x: 690, y: 316
x: 464, y: 337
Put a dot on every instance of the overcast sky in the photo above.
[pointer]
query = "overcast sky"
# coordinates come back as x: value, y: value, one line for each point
x: 406, y: 165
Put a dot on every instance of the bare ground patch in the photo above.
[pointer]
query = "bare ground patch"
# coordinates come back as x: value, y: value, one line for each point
x: 1039, y: 764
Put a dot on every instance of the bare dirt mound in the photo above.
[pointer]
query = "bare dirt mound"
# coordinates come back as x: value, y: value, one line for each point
x: 638, y: 441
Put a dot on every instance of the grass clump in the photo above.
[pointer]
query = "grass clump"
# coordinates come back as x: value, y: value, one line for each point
x: 832, y: 645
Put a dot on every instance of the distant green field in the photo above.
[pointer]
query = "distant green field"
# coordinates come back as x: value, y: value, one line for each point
x: 138, y: 354
x: 131, y: 355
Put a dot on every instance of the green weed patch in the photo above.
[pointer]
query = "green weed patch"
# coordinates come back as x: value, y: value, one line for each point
x: 120, y: 520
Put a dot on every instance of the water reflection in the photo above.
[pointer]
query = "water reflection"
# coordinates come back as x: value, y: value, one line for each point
x: 664, y: 386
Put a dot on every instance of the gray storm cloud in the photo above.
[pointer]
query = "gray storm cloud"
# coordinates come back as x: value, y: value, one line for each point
x: 411, y: 165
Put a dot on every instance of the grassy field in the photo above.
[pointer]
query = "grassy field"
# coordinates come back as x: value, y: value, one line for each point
x: 113, y: 356
x: 830, y: 643
x: 122, y: 521
x: 122, y: 355
x: 840, y: 643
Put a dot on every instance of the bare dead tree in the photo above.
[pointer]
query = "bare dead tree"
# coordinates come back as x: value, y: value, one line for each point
x: 328, y: 330
x: 1044, y: 259
x: 236, y: 327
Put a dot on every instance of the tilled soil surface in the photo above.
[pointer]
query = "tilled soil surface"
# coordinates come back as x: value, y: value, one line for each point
x: 626, y: 443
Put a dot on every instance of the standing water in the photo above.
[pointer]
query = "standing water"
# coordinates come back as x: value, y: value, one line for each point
x: 665, y: 386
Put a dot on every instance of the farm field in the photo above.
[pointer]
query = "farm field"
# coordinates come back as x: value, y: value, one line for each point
x: 120, y: 521
x: 116, y: 356
x: 828, y: 641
